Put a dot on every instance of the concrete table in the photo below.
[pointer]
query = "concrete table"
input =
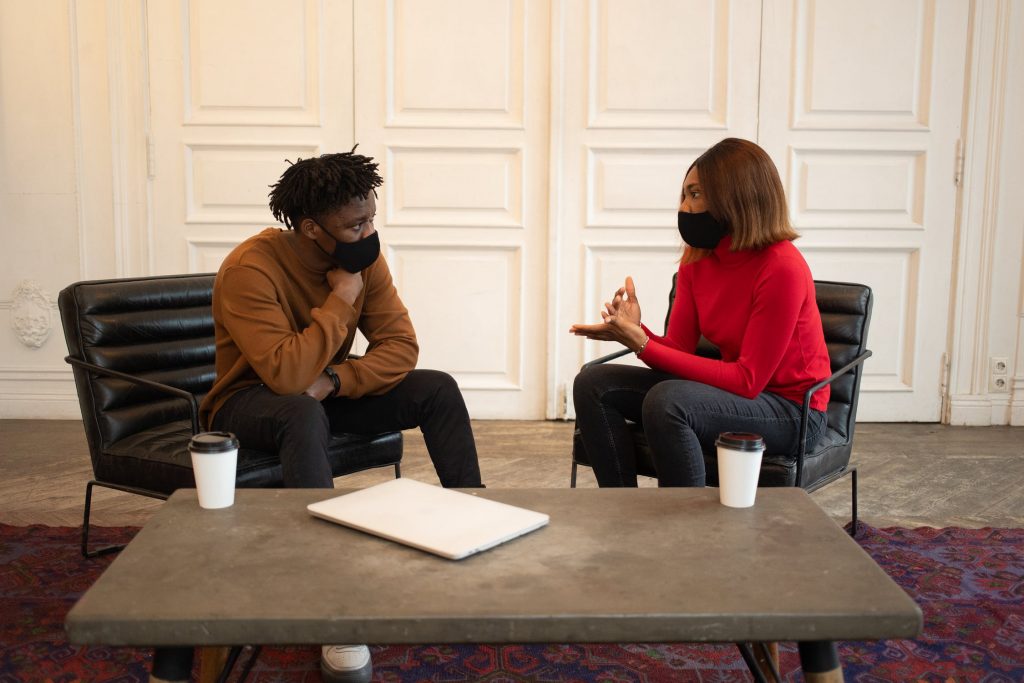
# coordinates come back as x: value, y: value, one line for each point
x: 613, y: 565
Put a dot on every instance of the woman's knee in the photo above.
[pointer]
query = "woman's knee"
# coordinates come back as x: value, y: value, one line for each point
x: 670, y: 402
x: 591, y: 382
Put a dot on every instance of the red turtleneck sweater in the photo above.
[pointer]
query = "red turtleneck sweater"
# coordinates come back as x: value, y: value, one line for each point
x: 759, y: 309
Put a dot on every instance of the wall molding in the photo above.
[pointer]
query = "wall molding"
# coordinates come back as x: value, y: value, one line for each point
x: 971, y: 305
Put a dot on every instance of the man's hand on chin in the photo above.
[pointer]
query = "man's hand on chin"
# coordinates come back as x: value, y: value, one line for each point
x: 345, y: 285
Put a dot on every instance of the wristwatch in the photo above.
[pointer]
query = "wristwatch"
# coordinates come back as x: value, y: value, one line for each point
x: 329, y: 371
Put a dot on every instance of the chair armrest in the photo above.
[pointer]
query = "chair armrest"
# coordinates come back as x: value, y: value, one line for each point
x: 604, y: 359
x: 163, y: 388
x: 806, y: 411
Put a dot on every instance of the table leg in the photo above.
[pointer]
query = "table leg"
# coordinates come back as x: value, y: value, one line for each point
x: 819, y: 660
x: 211, y: 663
x: 171, y: 665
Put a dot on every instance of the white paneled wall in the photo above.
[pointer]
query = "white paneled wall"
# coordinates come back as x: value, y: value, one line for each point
x: 532, y: 153
x: 452, y: 98
x: 863, y: 119
x: 39, y: 207
x: 237, y: 87
x: 641, y: 90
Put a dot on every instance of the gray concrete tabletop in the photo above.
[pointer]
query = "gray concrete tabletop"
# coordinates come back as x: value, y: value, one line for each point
x: 613, y: 565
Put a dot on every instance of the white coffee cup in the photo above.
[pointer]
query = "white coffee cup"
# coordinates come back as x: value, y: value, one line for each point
x: 214, y: 462
x: 739, y: 465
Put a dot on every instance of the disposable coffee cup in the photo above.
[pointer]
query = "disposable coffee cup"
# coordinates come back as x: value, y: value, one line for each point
x: 739, y: 465
x: 214, y: 461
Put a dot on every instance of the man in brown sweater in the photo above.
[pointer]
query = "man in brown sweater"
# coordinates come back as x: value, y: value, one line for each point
x: 286, y: 307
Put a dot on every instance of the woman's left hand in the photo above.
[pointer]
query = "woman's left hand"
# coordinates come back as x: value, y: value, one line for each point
x: 621, y: 320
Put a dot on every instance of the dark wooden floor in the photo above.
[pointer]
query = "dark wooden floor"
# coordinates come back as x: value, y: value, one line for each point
x: 910, y: 474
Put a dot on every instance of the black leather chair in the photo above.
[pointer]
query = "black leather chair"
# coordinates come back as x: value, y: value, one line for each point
x: 845, y: 315
x: 142, y: 352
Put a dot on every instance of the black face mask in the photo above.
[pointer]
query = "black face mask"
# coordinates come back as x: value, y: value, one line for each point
x: 354, y: 256
x: 701, y: 230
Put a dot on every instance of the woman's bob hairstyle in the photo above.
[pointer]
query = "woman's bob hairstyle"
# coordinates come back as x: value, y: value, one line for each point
x: 742, y: 190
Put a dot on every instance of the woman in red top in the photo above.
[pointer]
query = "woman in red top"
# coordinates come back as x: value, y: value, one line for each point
x: 745, y: 287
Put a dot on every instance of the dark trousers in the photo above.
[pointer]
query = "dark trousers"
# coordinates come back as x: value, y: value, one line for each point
x: 298, y: 428
x: 681, y: 420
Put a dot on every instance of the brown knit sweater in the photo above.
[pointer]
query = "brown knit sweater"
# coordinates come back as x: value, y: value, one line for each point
x: 276, y: 322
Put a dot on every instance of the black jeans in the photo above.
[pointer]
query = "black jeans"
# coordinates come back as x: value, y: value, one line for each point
x: 298, y: 427
x: 681, y: 420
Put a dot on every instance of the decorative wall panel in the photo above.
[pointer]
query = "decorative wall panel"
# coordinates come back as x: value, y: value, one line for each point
x: 206, y: 254
x: 678, y: 80
x: 852, y: 188
x: 629, y: 187
x: 476, y: 81
x: 263, y: 72
x: 446, y: 286
x: 880, y: 81
x: 455, y: 187
x: 893, y: 275
x: 229, y: 183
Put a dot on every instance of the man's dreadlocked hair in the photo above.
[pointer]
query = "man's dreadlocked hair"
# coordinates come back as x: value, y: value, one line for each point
x: 318, y: 185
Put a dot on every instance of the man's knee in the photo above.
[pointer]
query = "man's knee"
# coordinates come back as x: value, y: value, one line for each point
x: 435, y: 388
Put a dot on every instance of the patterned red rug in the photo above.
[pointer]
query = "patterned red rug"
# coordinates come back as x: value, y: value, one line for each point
x: 969, y: 583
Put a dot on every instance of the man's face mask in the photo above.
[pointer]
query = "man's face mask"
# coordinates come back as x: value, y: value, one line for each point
x: 354, y: 256
x: 701, y: 230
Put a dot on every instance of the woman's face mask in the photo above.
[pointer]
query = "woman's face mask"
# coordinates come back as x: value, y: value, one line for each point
x: 697, y: 227
x: 701, y: 230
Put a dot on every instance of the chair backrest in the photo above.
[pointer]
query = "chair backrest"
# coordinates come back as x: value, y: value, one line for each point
x: 845, y: 309
x: 157, y: 328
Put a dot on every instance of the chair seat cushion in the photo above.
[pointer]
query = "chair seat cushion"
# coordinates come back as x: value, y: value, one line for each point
x: 830, y: 456
x: 158, y: 459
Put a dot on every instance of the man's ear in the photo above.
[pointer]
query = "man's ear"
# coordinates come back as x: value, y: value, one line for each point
x: 308, y: 228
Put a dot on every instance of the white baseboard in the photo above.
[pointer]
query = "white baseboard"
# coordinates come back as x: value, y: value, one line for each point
x: 973, y: 410
x: 38, y: 393
x: 39, y: 408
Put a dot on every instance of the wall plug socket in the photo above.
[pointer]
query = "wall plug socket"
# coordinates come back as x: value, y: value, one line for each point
x: 999, y: 375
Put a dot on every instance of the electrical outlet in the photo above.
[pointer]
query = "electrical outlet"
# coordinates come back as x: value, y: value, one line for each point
x: 998, y: 376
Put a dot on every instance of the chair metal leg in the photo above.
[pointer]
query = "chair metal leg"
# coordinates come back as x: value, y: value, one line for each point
x: 248, y: 665
x: 398, y: 470
x: 853, y: 500
x: 85, y: 528
x: 88, y: 508
x: 572, y: 479
x: 769, y: 655
x: 748, y: 657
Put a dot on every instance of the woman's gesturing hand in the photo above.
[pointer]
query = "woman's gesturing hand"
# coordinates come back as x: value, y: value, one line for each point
x: 624, y: 305
x: 621, y: 318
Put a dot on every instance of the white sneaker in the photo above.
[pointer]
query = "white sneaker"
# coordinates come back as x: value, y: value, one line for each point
x: 346, y: 663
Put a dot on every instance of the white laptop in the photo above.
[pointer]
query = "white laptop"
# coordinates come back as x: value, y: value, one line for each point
x: 448, y: 523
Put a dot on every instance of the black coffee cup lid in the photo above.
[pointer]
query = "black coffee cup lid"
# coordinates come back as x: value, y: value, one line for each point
x: 213, y: 442
x: 740, y: 441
